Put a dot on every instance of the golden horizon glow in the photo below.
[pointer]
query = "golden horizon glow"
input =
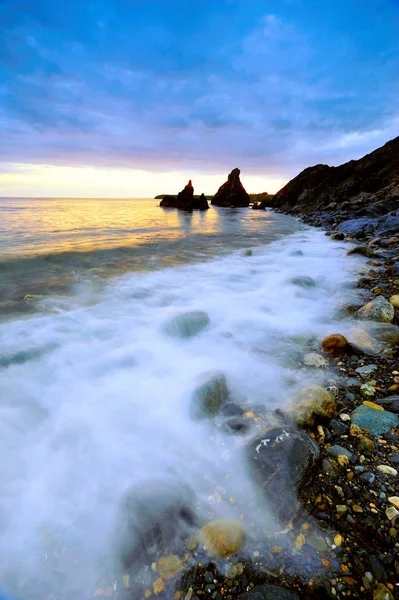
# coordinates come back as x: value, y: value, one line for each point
x: 31, y: 180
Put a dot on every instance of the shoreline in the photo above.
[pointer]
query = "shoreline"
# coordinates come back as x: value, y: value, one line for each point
x: 349, y: 502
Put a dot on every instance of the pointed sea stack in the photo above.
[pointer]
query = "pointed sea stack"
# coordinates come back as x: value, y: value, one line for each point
x: 201, y: 203
x: 185, y: 200
x: 231, y: 193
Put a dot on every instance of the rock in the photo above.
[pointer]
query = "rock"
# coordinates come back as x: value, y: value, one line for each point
x: 375, y: 421
x: 158, y: 586
x: 338, y: 427
x: 382, y: 593
x: 365, y: 371
x: 378, y: 309
x: 336, y: 451
x: 394, y: 300
x: 236, y: 425
x: 222, y: 537
x: 328, y: 469
x: 201, y: 203
x: 268, y: 592
x: 231, y: 409
x: 364, y: 443
x: 387, y: 470
x: 304, y: 282
x: 335, y: 344
x: 314, y: 360
x: 363, y: 250
x: 247, y: 252
x: 338, y: 236
x: 361, y: 342
x: 169, y: 566
x: 372, y: 405
x: 313, y: 405
x: 317, y: 542
x: 156, y: 514
x: 210, y: 394
x: 367, y: 391
x: 367, y: 478
x: 385, y: 332
x: 187, y: 324
x: 283, y: 461
x: 185, y: 200
x: 392, y: 513
x: 231, y: 193
x: 394, y: 500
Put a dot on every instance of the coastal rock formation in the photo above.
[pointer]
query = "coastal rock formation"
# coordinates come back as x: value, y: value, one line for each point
x: 365, y: 188
x: 232, y: 192
x: 185, y: 200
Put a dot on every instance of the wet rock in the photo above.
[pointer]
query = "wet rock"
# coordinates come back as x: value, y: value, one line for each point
x: 367, y: 391
x: 385, y: 332
x: 365, y: 444
x: 185, y: 200
x: 338, y: 236
x: 187, y: 324
x: 210, y: 394
x: 154, y: 515
x: 394, y: 300
x: 387, y: 470
x: 200, y: 203
x: 338, y: 427
x: 361, y: 342
x: 232, y: 192
x: 336, y: 451
x: 382, y: 593
x: 313, y: 405
x: 367, y: 478
x: 328, y: 469
x: 247, y: 252
x: 268, y: 592
x: 317, y: 542
x: 335, y: 344
x: 283, y: 461
x: 222, y: 537
x: 365, y: 371
x: 236, y: 425
x: 376, y: 421
x: 231, y: 409
x: 304, y: 282
x: 378, y: 309
x: 314, y: 360
x: 363, y: 250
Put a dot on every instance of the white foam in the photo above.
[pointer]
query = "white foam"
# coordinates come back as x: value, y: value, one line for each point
x: 109, y: 405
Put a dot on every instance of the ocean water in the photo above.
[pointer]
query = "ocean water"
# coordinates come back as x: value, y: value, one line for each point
x: 95, y: 396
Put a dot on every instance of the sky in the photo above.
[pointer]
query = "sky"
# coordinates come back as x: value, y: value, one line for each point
x: 132, y: 98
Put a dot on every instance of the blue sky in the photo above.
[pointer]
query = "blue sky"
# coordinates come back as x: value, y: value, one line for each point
x: 192, y: 87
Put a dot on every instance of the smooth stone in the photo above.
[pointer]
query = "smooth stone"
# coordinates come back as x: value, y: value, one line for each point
x: 367, y: 478
x: 387, y: 470
x: 384, y: 332
x: 366, y: 370
x: 314, y: 360
x: 247, y: 252
x: 382, y: 593
x: 209, y: 395
x: 378, y: 309
x: 388, y: 400
x: 312, y: 405
x: 394, y: 500
x: 362, y: 342
x: 304, y: 282
x: 376, y: 421
x: 231, y: 409
x: 155, y: 513
x: 363, y: 250
x: 335, y: 344
x: 317, y: 542
x: 364, y: 443
x: 268, y: 592
x: 222, y: 537
x: 187, y: 324
x: 336, y: 451
x: 328, y: 468
x: 338, y: 427
x: 283, y: 461
x: 394, y: 300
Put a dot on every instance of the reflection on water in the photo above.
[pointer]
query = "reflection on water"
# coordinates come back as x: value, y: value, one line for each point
x: 49, y: 245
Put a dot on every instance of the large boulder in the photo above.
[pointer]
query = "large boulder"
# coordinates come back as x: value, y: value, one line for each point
x: 335, y: 344
x: 153, y: 516
x: 232, y: 192
x: 378, y: 309
x: 314, y: 404
x: 185, y: 200
x: 209, y: 396
x: 223, y: 537
x: 375, y: 421
x: 283, y: 461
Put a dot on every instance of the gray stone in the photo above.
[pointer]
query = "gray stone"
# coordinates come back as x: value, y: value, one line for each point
x: 387, y: 401
x: 378, y: 309
x: 283, y: 461
x: 209, y: 396
x: 187, y: 324
x: 304, y: 282
x: 363, y: 250
x: 231, y: 409
x: 336, y: 451
x: 367, y: 478
x: 312, y: 359
x: 236, y: 425
x: 365, y: 371
x: 376, y: 421
x: 385, y: 332
x: 338, y: 236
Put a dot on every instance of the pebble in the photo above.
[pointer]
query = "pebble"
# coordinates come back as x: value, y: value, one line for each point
x: 391, y: 513
x: 344, y: 417
x: 338, y: 539
x: 372, y: 405
x: 367, y: 391
x: 367, y: 477
x: 387, y: 470
x: 394, y: 500
x: 382, y: 593
x: 335, y: 451
x: 364, y: 443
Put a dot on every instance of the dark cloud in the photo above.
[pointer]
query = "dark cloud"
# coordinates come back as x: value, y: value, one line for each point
x: 272, y: 86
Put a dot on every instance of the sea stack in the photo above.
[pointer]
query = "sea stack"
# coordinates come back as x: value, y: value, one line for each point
x: 232, y: 192
x: 185, y: 200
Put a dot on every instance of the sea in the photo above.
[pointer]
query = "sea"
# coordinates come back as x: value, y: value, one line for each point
x: 95, y: 396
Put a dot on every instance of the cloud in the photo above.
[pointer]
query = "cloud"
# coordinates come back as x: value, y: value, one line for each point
x: 203, y: 85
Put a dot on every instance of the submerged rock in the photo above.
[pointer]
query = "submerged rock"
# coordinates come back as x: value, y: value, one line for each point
x: 283, y: 462
x: 312, y: 359
x: 335, y: 344
x: 313, y: 405
x: 363, y: 250
x: 222, y: 537
x: 187, y: 324
x: 232, y: 192
x: 378, y: 309
x: 210, y: 395
x: 376, y: 421
x: 153, y: 516
x: 304, y: 282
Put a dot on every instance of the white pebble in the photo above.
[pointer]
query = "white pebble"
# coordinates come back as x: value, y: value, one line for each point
x: 391, y: 513
x: 387, y: 470
x: 344, y: 417
x: 394, y: 500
